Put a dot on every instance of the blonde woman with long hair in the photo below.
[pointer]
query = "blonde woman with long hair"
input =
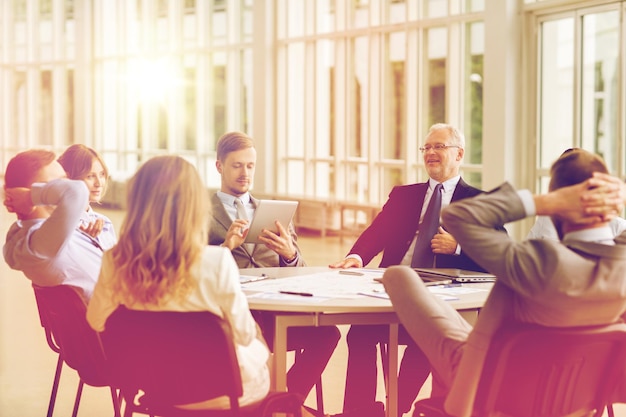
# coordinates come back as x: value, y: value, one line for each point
x: 161, y: 262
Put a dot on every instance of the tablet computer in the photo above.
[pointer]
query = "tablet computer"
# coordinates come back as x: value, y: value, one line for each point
x: 454, y: 274
x: 266, y: 213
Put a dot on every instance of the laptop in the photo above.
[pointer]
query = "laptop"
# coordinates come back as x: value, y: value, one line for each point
x: 454, y: 275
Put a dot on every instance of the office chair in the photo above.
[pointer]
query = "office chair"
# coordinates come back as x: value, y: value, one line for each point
x: 540, y: 371
x: 62, y: 312
x: 180, y: 358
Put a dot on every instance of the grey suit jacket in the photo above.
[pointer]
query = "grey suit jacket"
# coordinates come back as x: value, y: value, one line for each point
x: 260, y: 256
x: 538, y: 281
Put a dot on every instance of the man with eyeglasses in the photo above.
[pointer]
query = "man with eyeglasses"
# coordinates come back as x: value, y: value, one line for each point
x: 395, y: 232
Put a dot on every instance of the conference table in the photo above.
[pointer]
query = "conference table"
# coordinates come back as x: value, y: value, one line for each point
x: 321, y: 296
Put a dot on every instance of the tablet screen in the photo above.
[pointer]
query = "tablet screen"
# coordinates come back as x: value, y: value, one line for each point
x: 266, y: 213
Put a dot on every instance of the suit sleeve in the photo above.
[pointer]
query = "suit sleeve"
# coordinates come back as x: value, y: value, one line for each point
x: 378, y: 236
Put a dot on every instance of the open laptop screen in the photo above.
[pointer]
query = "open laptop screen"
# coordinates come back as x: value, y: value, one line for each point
x: 454, y: 274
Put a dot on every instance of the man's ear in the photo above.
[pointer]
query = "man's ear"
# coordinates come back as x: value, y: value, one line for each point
x: 218, y: 165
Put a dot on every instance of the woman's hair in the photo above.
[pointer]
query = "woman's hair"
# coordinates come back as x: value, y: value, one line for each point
x: 163, y: 234
x: 22, y: 169
x: 231, y: 142
x: 573, y: 167
x: 77, y: 161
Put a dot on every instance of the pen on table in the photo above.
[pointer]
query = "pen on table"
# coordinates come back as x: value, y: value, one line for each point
x: 344, y: 272
x: 303, y: 294
x: 448, y: 285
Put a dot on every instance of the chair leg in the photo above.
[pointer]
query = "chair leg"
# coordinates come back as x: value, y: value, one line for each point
x: 609, y: 410
x: 55, y: 386
x: 319, y: 397
x: 79, y: 393
x: 128, y: 409
x: 384, y: 355
x: 116, y: 402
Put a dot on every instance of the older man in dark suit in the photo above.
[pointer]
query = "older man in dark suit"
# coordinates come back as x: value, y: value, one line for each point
x: 396, y: 233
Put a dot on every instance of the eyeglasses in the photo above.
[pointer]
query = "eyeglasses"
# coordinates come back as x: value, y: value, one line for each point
x: 437, y: 147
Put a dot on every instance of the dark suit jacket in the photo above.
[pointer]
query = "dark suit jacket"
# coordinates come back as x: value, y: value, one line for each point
x: 393, y: 230
x: 260, y: 256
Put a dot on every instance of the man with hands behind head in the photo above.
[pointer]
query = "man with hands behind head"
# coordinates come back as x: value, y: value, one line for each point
x: 236, y: 163
x: 46, y: 242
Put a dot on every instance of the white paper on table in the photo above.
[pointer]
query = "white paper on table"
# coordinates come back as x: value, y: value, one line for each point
x: 327, y: 284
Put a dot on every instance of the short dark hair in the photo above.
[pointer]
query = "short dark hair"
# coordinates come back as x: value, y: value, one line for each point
x: 23, y: 167
x: 231, y: 142
x: 575, y: 166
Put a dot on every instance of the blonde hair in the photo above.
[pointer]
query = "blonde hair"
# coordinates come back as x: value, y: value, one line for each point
x: 163, y: 234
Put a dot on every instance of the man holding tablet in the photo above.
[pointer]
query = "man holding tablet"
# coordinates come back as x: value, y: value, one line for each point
x: 236, y: 162
x: 232, y: 206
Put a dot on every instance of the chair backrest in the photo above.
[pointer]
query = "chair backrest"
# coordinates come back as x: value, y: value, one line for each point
x: 173, y: 357
x: 540, y: 371
x: 62, y: 310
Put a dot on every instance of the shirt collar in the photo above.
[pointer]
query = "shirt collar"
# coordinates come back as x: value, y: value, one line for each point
x: 447, y: 185
x: 229, y: 199
x: 596, y: 234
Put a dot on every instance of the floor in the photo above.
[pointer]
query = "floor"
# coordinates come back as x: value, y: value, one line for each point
x: 27, y: 364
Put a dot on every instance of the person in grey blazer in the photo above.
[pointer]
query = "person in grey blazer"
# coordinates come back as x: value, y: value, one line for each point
x: 577, y: 281
x: 236, y: 162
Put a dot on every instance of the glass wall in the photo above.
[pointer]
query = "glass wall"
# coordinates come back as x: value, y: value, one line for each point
x: 579, y: 85
x: 37, y: 53
x: 350, y: 88
x: 338, y: 94
x: 381, y: 80
x: 168, y: 83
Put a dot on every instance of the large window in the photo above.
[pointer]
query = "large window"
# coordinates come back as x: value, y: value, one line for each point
x: 37, y: 46
x: 365, y: 96
x: 579, y: 85
x: 166, y: 82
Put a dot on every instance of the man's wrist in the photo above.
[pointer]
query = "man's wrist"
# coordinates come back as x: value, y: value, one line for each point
x: 292, y: 259
x: 545, y: 204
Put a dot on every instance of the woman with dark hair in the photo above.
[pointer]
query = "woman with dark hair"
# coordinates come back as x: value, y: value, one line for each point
x: 83, y: 163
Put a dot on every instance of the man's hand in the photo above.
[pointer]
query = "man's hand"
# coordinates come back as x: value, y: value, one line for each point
x: 94, y: 228
x: 606, y: 196
x: 347, y: 263
x: 18, y: 200
x: 236, y: 234
x: 443, y: 243
x: 597, y: 199
x: 280, y: 243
